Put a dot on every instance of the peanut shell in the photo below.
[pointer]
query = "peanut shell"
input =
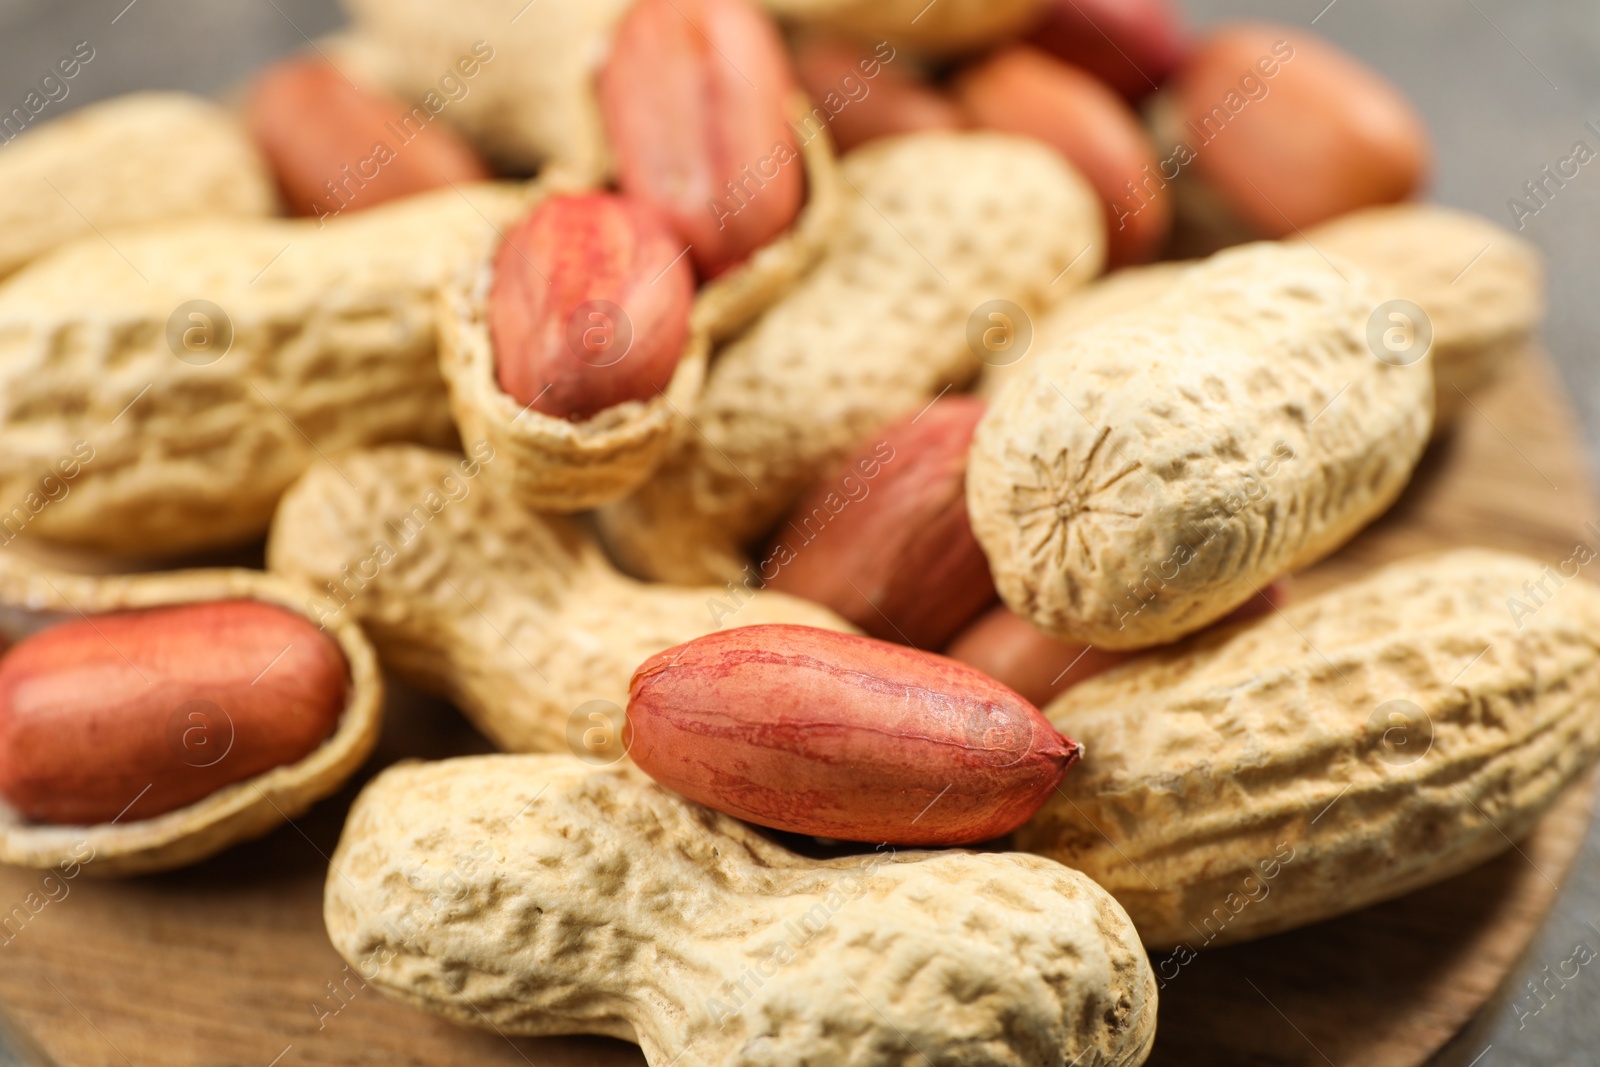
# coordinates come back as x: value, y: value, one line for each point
x: 134, y: 159
x: 1480, y: 285
x: 538, y: 896
x: 517, y: 618
x: 935, y: 225
x: 1389, y: 734
x: 239, y: 812
x: 310, y: 339
x: 1148, y: 476
x: 552, y: 464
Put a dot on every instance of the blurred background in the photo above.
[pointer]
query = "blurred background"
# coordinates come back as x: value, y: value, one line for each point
x: 1505, y: 86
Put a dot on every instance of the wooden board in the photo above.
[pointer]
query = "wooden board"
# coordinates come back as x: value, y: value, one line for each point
x: 227, y: 963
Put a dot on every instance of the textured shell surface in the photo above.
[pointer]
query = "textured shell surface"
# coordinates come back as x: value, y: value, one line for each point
x: 934, y: 226
x: 314, y: 338
x: 1344, y: 751
x: 134, y: 159
x: 1147, y: 476
x: 536, y: 895
x: 517, y: 617
x: 532, y: 102
x: 1480, y: 286
x: 239, y: 812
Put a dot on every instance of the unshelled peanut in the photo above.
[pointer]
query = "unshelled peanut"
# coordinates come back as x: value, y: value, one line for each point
x: 938, y: 226
x: 129, y: 161
x: 884, y: 540
x: 1365, y: 742
x: 1025, y: 91
x: 645, y: 917
x: 840, y: 736
x: 518, y: 618
x: 136, y: 714
x: 589, y: 306
x: 1148, y: 476
x: 335, y: 146
x: 172, y: 715
x: 695, y: 95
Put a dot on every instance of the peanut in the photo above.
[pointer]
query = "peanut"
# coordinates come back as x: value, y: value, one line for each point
x: 1479, y: 286
x: 840, y: 736
x: 590, y: 305
x: 518, y: 618
x: 642, y: 916
x: 893, y: 554
x: 87, y: 709
x: 218, y: 360
x: 1392, y: 733
x: 1287, y: 131
x: 553, y: 464
x: 322, y: 134
x: 878, y: 327
x: 1148, y: 476
x: 131, y: 160
x: 1025, y: 91
x: 861, y: 96
x: 172, y: 716
x: 695, y: 99
x: 946, y: 27
x: 1131, y: 45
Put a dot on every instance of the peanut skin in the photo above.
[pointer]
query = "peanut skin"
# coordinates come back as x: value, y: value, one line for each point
x: 139, y: 713
x: 840, y: 736
x: 894, y: 555
x: 1131, y: 45
x: 1327, y: 137
x: 336, y: 147
x: 694, y: 99
x: 589, y: 306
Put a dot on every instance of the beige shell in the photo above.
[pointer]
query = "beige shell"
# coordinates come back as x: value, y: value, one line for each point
x: 1148, y: 476
x: 235, y: 813
x: 535, y: 895
x: 140, y: 158
x: 1389, y: 734
x: 517, y: 618
x: 942, y: 26
x: 935, y: 225
x: 333, y: 345
x: 551, y: 464
x: 532, y: 103
x: 1126, y: 290
x: 1480, y: 285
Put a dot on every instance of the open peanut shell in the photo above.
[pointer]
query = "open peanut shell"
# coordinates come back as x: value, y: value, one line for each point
x: 235, y: 813
x: 553, y: 464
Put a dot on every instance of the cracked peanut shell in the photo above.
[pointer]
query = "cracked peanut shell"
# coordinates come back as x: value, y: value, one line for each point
x: 535, y: 895
x: 1146, y: 477
x: 1386, y: 735
x: 235, y: 813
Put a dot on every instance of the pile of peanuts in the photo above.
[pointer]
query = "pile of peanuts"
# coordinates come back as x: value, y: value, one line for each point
x: 725, y: 405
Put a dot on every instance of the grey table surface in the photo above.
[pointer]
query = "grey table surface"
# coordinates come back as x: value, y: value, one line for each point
x: 1505, y: 85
